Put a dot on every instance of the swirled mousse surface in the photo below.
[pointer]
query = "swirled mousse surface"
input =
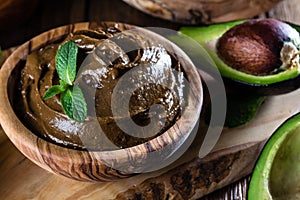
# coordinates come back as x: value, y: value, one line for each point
x: 105, y: 56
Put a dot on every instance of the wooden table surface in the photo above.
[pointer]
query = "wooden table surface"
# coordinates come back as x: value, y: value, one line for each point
x: 50, y: 14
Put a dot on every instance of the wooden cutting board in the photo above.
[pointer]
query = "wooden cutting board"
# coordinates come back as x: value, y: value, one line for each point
x: 232, y: 158
x: 202, y: 11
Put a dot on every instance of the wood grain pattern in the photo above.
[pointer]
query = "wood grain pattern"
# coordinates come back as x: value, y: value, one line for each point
x: 21, y: 179
x: 199, y: 176
x: 189, y: 177
x: 231, y: 159
x: 202, y: 11
x: 92, y: 165
x: 286, y: 11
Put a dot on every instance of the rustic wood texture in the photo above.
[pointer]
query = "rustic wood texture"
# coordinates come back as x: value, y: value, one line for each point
x: 21, y: 179
x: 202, y: 11
x: 190, y: 177
x: 231, y: 160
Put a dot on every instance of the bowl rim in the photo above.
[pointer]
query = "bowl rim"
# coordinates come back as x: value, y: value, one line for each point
x: 33, y: 146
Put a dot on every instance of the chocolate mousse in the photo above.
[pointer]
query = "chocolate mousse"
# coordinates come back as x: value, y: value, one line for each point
x: 112, y: 66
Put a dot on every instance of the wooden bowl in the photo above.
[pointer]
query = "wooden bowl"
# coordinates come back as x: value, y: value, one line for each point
x: 202, y: 11
x: 86, y: 165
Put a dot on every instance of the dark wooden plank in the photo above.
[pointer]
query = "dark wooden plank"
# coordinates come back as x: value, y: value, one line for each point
x: 48, y: 14
x: 78, y: 11
x: 56, y: 13
x: 117, y: 10
x: 53, y: 13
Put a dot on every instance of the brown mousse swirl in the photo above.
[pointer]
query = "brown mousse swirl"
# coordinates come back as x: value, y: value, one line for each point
x: 104, y: 57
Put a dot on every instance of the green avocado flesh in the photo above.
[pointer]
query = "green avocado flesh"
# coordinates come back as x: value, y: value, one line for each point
x: 277, y: 171
x: 207, y: 36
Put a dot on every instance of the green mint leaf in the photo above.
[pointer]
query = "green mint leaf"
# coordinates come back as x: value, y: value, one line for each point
x: 67, y: 101
x: 63, y: 85
x: 80, y: 106
x: 65, y: 62
x: 74, y: 104
x: 54, y: 90
x: 71, y: 98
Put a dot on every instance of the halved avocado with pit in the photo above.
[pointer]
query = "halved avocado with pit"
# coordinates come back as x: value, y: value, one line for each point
x: 273, y: 84
x: 277, y: 172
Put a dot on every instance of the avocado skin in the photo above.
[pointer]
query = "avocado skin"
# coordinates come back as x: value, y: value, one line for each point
x: 264, y: 90
x: 260, y: 186
x: 204, y: 35
x: 241, y: 109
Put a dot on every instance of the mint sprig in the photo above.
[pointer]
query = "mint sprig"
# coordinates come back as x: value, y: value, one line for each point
x: 71, y: 96
x: 73, y: 103
x: 65, y: 62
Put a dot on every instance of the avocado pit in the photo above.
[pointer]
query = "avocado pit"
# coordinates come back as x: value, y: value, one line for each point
x: 260, y: 47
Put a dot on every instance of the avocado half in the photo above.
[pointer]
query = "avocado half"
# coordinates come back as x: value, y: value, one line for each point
x: 276, y: 174
x: 274, y: 84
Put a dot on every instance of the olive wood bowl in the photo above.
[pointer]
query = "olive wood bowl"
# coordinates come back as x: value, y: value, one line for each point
x: 86, y: 165
x: 202, y: 11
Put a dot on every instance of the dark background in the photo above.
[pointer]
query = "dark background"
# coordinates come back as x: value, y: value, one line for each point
x: 43, y: 15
